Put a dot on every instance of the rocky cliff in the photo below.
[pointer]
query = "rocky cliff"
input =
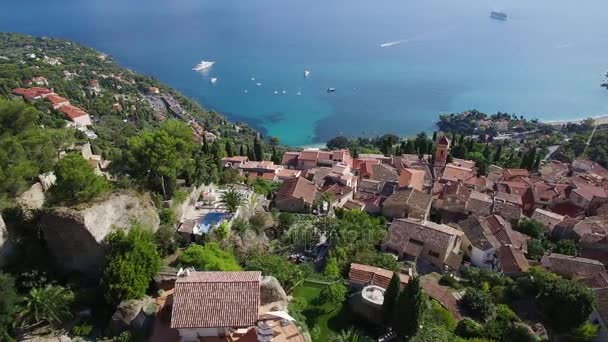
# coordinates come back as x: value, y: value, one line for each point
x: 74, y: 235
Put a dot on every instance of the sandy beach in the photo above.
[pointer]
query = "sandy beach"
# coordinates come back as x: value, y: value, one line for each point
x: 599, y: 120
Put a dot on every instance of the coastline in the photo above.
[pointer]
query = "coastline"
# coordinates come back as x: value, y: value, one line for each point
x: 599, y: 120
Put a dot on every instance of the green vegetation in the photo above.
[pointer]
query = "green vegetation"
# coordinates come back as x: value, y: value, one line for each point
x: 390, y: 299
x: 50, y: 305
x: 132, y: 261
x: 76, y: 181
x: 287, y: 273
x: 8, y: 305
x: 232, y: 200
x: 409, y: 310
x: 209, y: 258
x: 26, y: 149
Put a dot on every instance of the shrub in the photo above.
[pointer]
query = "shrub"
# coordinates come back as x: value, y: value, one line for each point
x: 82, y: 330
x: 479, y: 305
x: 448, y: 280
x: 167, y: 216
x: 209, y: 258
x: 166, y: 239
x: 439, y: 315
x: 468, y: 328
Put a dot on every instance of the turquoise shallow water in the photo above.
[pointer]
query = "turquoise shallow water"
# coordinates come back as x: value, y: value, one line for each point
x: 546, y: 61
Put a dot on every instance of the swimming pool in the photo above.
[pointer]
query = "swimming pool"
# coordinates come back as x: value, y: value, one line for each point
x: 210, y: 220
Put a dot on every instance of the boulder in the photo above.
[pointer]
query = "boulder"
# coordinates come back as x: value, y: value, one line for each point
x: 6, y: 245
x: 272, y: 295
x: 74, y: 235
x: 32, y: 199
x: 133, y: 315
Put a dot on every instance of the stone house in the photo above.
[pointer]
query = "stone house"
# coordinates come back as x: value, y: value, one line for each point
x: 569, y: 266
x: 212, y: 304
x: 296, y: 195
x: 437, y: 244
x: 512, y: 261
x: 547, y: 218
x: 407, y: 203
x: 507, y: 206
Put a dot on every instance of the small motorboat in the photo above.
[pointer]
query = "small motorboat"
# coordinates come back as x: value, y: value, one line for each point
x: 331, y: 90
x: 306, y: 73
x: 213, y: 80
x: 258, y: 84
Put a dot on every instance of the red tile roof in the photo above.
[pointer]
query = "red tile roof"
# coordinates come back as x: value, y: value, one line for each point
x: 32, y: 93
x: 297, y: 188
x: 56, y: 99
x: 216, y: 299
x: 72, y: 111
x: 512, y: 260
x: 370, y: 275
x: 443, y: 295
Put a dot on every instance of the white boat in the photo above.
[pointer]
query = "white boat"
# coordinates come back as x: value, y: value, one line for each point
x: 306, y: 73
x: 253, y: 78
x: 213, y: 80
x: 203, y: 65
x: 276, y: 91
x: 258, y: 84
x: 299, y: 93
x: 284, y: 92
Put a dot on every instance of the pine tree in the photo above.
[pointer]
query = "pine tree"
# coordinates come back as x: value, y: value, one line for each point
x: 390, y: 299
x: 461, y: 140
x: 275, y: 156
x: 409, y: 310
x: 498, y: 153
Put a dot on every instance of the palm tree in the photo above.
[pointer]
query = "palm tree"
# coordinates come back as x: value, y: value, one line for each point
x: 232, y: 200
x: 50, y: 305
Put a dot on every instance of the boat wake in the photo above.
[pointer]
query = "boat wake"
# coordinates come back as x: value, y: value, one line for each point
x: 396, y: 42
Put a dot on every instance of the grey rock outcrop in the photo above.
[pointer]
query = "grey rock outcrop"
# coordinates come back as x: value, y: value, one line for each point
x: 6, y: 245
x: 134, y: 315
x: 32, y: 199
x: 74, y: 235
x: 272, y: 295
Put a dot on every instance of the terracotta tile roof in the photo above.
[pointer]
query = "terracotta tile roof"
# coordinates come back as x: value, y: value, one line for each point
x: 297, y: 188
x: 478, y: 233
x: 596, y: 281
x: 385, y: 173
x: 568, y: 209
x: 455, y: 173
x: 554, y: 170
x: 370, y: 185
x: 548, y: 218
x: 32, y: 93
x: 509, y: 174
x: 469, y: 164
x: 56, y: 99
x: 358, y: 162
x: 354, y: 205
x: 508, y: 198
x: 369, y: 275
x: 479, y: 202
x: 337, y: 191
x: 570, y: 266
x: 72, y: 112
x: 547, y: 191
x: 505, y: 234
x: 216, y: 299
x: 402, y: 230
x: 409, y: 197
x: 288, y: 173
x: 601, y: 296
x: 512, y: 260
x: 312, y: 155
x: 444, y: 141
x: 290, y: 157
x: 588, y: 191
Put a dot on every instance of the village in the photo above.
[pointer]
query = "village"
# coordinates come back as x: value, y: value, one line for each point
x: 195, y: 229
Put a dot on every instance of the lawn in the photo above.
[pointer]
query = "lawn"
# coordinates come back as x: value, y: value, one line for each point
x: 328, y: 318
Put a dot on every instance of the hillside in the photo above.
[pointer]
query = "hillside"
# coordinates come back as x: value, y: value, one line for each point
x: 117, y: 99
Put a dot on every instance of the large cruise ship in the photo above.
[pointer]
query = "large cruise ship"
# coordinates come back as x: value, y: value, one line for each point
x: 203, y: 65
x: 498, y: 15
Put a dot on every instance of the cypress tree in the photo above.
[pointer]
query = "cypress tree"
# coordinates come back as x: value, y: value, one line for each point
x: 275, y: 156
x: 409, y: 310
x: 355, y: 153
x: 498, y: 153
x: 250, y: 154
x: 205, y: 145
x: 435, y: 136
x: 461, y: 140
x: 409, y: 147
x: 390, y: 299
x: 229, y: 151
x: 257, y: 149
x: 242, y: 151
x: 536, y: 165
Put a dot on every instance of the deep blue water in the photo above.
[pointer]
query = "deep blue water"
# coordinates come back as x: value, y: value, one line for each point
x: 546, y: 61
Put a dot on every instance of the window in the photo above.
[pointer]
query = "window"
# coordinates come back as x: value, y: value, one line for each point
x: 416, y: 242
x: 434, y: 254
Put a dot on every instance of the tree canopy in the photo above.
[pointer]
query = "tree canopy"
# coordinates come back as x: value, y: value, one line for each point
x: 76, y: 181
x: 132, y: 261
x: 209, y: 258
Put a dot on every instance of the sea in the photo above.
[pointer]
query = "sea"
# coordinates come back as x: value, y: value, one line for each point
x: 396, y: 65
